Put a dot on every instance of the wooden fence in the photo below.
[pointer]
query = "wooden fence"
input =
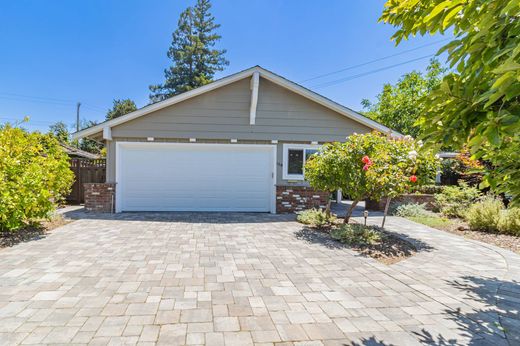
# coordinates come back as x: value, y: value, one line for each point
x: 85, y: 171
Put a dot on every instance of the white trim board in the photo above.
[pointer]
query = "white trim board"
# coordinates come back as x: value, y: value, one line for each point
x: 296, y: 88
x: 285, y: 155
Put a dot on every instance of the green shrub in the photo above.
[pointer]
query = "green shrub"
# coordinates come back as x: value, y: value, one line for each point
x: 485, y: 214
x: 412, y: 210
x: 453, y: 201
x: 315, y: 218
x: 356, y: 234
x: 427, y: 189
x: 34, y: 176
x: 509, y: 222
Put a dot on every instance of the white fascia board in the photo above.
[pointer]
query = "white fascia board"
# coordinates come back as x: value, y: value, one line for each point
x: 166, y: 103
x: 255, y: 81
x: 107, y: 133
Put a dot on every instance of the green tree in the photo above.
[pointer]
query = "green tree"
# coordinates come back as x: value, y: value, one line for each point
x: 60, y: 131
x: 34, y: 176
x: 371, y: 166
x: 195, y: 59
x: 87, y: 144
x: 399, y: 106
x: 120, y: 107
x: 479, y: 102
x: 324, y: 171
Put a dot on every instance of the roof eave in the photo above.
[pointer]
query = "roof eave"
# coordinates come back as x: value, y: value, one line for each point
x: 231, y: 79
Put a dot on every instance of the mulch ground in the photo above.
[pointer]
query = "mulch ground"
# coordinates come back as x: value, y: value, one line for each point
x: 390, y: 250
x: 505, y: 241
x: 29, y: 233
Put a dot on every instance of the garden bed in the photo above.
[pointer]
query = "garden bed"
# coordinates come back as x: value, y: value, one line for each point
x: 389, y: 250
x: 505, y: 241
x: 459, y: 227
x: 371, y: 241
x: 8, y: 239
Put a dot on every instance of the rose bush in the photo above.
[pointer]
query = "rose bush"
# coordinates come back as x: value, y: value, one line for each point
x: 372, y: 166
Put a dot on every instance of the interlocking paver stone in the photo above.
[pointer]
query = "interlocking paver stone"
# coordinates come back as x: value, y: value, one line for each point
x: 238, y: 279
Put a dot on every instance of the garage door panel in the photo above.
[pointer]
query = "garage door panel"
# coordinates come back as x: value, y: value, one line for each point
x: 195, y: 177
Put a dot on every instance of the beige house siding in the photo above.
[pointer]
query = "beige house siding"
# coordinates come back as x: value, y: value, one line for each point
x: 223, y: 114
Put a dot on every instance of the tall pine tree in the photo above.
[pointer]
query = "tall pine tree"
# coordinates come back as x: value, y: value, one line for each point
x: 193, y: 53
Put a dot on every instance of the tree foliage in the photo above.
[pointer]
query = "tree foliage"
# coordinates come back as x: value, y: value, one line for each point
x: 34, y: 176
x: 120, y: 107
x: 399, y: 106
x: 479, y: 102
x: 60, y: 131
x: 371, y: 166
x: 193, y: 53
x: 88, y: 144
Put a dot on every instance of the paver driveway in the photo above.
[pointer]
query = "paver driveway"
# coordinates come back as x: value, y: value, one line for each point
x: 238, y: 279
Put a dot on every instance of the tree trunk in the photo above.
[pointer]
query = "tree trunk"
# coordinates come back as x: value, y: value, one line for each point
x: 327, y: 209
x: 387, y: 204
x: 350, y: 210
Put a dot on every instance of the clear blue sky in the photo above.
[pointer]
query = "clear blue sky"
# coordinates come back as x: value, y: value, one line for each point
x: 58, y: 52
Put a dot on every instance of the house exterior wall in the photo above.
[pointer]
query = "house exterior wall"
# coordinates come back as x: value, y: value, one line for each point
x: 223, y: 114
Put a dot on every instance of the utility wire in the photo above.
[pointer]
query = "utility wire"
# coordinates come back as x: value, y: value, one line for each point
x: 341, y: 80
x: 48, y: 100
x: 373, y: 61
x: 41, y: 122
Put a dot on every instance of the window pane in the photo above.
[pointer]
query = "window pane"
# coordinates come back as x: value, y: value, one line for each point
x: 309, y: 152
x: 295, y: 161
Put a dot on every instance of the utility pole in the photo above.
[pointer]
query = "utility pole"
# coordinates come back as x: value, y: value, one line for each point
x: 77, y: 116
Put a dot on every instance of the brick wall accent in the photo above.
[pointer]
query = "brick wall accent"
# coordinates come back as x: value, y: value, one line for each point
x: 427, y: 199
x: 290, y: 199
x: 100, y: 197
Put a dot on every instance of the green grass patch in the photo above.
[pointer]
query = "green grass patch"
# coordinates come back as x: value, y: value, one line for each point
x: 433, y: 221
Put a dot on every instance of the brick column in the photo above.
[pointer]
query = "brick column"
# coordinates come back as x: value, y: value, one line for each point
x: 100, y: 197
x: 290, y: 199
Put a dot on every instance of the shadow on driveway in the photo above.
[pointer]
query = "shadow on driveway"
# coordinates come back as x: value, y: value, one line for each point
x: 497, y: 323
x: 186, y: 217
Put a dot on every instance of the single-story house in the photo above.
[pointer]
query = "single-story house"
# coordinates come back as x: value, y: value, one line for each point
x: 236, y: 144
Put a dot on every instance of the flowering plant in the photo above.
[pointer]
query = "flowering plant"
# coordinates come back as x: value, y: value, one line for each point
x: 373, y: 166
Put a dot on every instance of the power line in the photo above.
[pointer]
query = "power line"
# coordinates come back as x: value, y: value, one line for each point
x: 48, y: 100
x: 39, y: 97
x: 373, y: 61
x: 341, y: 80
x: 41, y: 122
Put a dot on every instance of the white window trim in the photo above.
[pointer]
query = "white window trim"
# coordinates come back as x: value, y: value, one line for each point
x: 286, y: 147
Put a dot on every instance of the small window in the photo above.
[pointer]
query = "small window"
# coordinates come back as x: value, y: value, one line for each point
x: 295, y: 162
x: 295, y: 156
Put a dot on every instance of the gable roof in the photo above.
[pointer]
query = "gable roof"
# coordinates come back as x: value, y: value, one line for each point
x: 71, y: 151
x: 279, y: 80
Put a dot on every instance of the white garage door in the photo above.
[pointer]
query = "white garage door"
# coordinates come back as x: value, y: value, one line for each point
x: 194, y: 177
